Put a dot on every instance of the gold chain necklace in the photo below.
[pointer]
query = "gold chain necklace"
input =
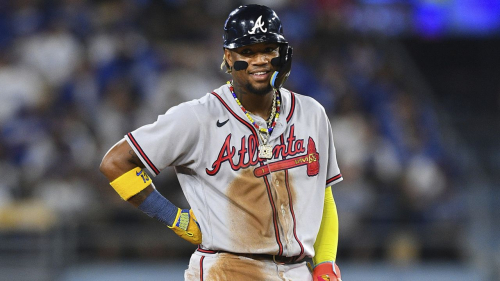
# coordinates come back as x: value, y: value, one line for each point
x: 265, y: 150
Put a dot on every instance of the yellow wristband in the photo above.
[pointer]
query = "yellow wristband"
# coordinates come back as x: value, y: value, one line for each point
x: 131, y: 183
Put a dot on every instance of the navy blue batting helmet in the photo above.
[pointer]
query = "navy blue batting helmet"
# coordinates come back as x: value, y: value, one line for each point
x: 251, y: 24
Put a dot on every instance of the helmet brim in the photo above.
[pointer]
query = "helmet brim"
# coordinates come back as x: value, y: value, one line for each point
x: 250, y: 39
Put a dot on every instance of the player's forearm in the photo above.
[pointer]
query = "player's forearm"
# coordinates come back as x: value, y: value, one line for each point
x: 139, y: 198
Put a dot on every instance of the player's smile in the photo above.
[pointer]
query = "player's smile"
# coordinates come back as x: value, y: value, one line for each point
x: 261, y: 76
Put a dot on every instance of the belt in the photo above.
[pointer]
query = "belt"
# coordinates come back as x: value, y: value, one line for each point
x: 275, y: 258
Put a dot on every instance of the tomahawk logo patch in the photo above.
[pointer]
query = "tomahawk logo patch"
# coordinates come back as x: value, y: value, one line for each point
x: 311, y: 160
x: 259, y: 24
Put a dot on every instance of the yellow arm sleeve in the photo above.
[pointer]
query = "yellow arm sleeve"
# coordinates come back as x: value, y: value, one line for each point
x: 328, y: 235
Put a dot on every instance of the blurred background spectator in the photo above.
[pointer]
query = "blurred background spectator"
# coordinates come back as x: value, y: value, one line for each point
x: 411, y: 88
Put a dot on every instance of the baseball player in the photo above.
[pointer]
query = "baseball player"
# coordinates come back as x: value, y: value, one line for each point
x: 255, y: 161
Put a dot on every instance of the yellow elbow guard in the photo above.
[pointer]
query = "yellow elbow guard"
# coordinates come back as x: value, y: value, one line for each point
x: 131, y: 183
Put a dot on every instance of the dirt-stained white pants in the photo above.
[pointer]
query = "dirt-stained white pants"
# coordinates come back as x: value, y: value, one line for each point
x: 231, y: 267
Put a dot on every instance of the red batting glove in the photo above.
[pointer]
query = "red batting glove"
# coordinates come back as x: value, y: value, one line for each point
x: 326, y: 271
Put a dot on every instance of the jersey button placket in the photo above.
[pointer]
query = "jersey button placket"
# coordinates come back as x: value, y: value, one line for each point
x: 283, y: 220
x: 285, y: 235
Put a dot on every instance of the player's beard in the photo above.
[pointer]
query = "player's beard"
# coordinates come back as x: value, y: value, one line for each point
x: 262, y: 91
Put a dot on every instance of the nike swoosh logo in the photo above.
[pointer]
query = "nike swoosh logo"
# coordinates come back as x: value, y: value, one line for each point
x: 139, y: 173
x: 219, y: 124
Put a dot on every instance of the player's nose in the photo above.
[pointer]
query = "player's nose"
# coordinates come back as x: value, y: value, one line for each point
x: 261, y: 59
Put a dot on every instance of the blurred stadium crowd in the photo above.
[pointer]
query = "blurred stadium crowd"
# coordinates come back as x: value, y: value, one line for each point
x: 77, y: 75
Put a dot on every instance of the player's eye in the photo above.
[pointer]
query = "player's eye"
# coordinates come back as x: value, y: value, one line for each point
x: 270, y: 49
x: 246, y: 52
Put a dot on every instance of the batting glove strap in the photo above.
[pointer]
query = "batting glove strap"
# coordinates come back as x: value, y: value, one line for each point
x: 186, y: 226
x: 326, y: 271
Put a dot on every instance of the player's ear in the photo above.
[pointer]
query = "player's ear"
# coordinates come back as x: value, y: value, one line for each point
x: 228, y: 58
x: 225, y: 63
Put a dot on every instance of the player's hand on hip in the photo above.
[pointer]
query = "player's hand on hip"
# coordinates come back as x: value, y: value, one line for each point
x: 186, y: 226
x: 326, y: 271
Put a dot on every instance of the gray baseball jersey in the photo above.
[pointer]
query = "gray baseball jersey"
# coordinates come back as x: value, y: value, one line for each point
x: 245, y: 204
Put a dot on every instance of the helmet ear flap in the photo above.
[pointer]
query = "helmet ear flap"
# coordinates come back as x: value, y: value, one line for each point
x: 284, y: 62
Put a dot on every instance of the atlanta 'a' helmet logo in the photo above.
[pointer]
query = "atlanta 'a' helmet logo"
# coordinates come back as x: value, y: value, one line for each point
x: 259, y: 24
